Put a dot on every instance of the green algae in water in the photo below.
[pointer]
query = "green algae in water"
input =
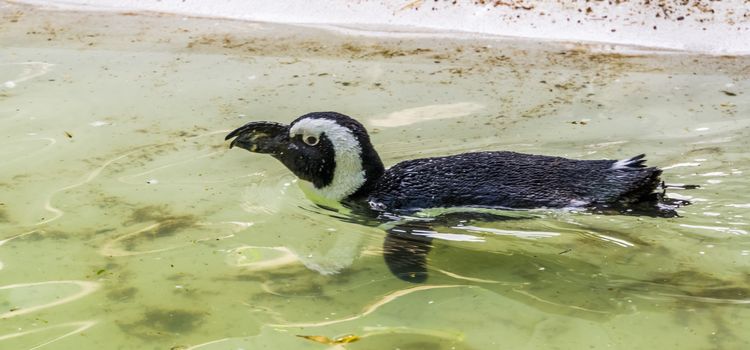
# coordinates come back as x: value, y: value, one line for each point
x: 4, y: 215
x: 163, y: 323
x: 203, y: 248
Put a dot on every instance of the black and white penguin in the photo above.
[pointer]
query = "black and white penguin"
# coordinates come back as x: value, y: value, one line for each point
x: 334, y: 153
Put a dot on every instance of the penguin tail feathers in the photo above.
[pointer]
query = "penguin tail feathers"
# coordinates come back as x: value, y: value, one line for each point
x: 638, y: 161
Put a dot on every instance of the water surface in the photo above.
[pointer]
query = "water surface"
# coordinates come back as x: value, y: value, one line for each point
x: 125, y: 221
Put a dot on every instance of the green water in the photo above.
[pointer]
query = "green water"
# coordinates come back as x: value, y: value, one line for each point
x: 126, y: 223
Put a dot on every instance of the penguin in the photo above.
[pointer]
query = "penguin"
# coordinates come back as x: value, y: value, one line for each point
x: 334, y: 153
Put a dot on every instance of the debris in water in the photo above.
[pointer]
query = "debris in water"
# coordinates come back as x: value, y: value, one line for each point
x: 349, y: 338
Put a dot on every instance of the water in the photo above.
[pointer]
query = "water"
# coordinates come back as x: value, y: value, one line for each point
x: 125, y: 222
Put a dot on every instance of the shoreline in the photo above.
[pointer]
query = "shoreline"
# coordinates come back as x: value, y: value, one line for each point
x: 710, y: 28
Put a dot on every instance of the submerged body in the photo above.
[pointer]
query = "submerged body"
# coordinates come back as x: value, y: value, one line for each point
x: 333, y: 152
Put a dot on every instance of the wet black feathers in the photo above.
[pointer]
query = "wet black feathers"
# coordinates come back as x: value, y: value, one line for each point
x: 638, y: 161
x: 512, y: 180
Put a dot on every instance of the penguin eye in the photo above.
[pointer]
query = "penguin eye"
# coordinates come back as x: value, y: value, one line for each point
x: 311, y: 140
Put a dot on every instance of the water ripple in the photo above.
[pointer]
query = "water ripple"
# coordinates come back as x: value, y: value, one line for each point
x: 86, y: 288
x: 80, y: 327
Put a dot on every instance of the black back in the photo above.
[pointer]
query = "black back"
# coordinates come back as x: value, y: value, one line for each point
x: 510, y: 180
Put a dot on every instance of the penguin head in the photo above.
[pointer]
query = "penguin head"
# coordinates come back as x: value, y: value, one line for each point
x: 328, y: 149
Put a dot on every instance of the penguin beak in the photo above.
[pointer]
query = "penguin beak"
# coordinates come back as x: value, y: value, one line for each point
x: 261, y: 137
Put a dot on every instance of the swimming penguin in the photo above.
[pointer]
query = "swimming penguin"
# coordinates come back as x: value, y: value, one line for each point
x: 334, y: 153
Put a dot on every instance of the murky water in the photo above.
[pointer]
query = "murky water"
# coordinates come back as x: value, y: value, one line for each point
x: 125, y: 222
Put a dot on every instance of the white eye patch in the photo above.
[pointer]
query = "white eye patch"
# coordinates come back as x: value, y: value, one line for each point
x: 348, y: 176
x: 308, y: 131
